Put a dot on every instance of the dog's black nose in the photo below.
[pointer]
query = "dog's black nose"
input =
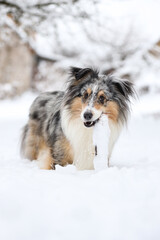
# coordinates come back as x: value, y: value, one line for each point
x: 88, y: 116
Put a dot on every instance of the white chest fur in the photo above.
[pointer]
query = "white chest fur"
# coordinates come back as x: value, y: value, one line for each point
x: 81, y: 139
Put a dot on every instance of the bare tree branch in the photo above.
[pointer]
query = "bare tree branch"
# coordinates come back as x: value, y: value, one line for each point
x: 12, y: 5
x: 41, y: 5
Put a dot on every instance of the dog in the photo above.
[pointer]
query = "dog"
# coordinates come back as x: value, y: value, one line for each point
x: 60, y: 125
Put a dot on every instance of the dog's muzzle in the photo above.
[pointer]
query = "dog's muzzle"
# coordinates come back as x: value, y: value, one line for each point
x: 88, y: 119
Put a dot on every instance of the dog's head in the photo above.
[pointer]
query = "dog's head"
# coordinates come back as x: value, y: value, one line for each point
x: 89, y: 95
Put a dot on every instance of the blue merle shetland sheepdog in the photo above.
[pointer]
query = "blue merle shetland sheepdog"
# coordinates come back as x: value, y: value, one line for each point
x: 60, y: 125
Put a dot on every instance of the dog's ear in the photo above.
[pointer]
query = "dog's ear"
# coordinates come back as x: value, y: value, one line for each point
x: 124, y: 87
x: 79, y: 73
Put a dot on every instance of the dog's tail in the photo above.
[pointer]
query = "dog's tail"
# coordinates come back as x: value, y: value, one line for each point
x: 23, y: 140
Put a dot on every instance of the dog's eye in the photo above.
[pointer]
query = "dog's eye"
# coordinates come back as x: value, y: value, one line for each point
x: 86, y: 95
x: 101, y: 99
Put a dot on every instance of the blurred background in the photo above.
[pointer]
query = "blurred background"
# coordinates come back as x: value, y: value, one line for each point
x: 40, y: 39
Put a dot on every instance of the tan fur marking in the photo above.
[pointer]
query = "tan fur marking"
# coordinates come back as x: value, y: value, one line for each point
x: 89, y: 90
x: 32, y: 141
x: 76, y: 107
x: 44, y: 156
x: 112, y: 110
x: 101, y: 93
x: 36, y: 148
x: 68, y: 152
x: 84, y: 105
x: 98, y: 106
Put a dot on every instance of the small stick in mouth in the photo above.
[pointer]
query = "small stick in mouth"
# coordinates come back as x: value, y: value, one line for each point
x: 95, y: 150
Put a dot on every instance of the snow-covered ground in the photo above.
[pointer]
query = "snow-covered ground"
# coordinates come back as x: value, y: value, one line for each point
x: 119, y: 203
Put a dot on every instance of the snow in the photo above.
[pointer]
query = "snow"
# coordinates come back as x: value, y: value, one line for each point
x: 117, y: 203
x: 121, y: 202
x: 101, y: 134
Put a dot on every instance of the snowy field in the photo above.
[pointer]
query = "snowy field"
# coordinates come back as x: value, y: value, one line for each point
x: 119, y: 203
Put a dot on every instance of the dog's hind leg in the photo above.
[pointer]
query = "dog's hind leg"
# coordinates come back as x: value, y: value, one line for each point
x: 29, y: 141
x: 45, y: 159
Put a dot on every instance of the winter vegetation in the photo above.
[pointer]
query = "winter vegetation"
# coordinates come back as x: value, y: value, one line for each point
x: 39, y: 41
x: 118, y: 37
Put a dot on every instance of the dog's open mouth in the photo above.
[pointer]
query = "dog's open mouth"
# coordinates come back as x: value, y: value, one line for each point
x: 90, y: 123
